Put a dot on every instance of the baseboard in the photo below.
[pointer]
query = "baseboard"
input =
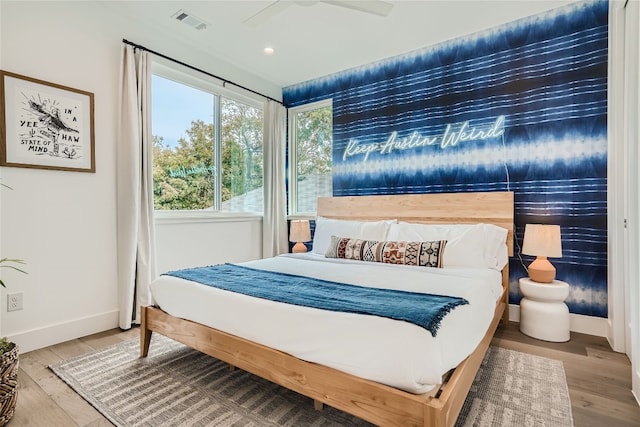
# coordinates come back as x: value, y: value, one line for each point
x: 35, y: 339
x: 590, y: 325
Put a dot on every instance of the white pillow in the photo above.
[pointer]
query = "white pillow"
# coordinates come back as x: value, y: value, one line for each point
x: 468, y: 245
x: 366, y: 230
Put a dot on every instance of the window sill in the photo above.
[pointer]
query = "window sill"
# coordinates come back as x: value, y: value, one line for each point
x: 194, y: 217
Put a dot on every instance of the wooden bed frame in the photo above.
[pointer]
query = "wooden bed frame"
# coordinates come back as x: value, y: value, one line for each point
x: 374, y: 402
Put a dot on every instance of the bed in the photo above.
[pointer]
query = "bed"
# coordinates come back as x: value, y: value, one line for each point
x: 374, y: 393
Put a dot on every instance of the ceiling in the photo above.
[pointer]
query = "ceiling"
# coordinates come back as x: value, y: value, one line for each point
x: 313, y: 39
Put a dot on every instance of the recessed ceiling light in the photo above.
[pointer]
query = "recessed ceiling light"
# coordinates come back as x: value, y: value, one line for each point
x: 268, y: 50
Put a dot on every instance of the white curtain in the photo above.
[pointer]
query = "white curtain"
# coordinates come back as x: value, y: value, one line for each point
x: 136, y: 235
x: 274, y: 224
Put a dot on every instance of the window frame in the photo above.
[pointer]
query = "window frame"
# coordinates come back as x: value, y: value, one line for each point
x: 292, y: 155
x: 217, y: 89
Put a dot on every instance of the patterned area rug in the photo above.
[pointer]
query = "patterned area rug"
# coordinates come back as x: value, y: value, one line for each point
x: 517, y: 389
x: 178, y: 386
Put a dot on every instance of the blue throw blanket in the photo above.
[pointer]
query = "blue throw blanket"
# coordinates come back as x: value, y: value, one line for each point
x: 424, y: 310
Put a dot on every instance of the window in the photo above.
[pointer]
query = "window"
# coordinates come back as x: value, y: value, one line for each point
x: 207, y: 146
x: 310, y: 155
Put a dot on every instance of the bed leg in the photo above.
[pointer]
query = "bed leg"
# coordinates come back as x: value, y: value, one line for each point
x: 145, y: 334
x: 317, y: 405
x: 231, y: 368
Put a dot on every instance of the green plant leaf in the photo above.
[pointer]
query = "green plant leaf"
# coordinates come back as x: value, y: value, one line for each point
x: 4, y: 263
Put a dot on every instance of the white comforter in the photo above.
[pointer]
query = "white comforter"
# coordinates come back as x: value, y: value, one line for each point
x: 388, y: 351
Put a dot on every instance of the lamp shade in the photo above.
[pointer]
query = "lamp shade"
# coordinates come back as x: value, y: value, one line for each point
x: 542, y: 240
x: 300, y: 231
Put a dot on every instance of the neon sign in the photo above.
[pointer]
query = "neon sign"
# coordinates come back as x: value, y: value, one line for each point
x: 451, y: 136
x: 182, y: 172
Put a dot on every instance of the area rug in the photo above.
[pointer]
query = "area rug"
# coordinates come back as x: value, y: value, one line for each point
x: 178, y: 386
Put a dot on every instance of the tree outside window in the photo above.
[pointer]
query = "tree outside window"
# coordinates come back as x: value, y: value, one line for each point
x: 204, y: 170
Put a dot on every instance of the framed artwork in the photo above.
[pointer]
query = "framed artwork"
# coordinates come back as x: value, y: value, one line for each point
x: 45, y: 125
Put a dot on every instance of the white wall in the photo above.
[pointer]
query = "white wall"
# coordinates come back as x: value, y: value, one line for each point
x: 1, y: 299
x: 64, y: 223
x: 193, y: 243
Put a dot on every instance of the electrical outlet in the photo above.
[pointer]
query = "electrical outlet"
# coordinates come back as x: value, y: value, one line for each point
x: 14, y: 301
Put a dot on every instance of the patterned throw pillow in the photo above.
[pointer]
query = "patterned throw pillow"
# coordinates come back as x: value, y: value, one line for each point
x: 425, y: 254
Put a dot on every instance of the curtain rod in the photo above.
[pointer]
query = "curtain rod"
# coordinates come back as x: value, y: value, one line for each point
x: 224, y: 81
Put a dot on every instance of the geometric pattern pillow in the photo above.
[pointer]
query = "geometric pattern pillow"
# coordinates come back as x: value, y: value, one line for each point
x: 425, y: 254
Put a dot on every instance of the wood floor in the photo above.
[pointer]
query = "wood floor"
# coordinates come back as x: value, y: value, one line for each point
x: 599, y: 380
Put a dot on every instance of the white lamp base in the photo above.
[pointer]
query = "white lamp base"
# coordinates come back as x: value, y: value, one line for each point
x: 299, y: 248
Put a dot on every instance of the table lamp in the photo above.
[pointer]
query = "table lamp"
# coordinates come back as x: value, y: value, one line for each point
x: 299, y: 232
x: 542, y: 241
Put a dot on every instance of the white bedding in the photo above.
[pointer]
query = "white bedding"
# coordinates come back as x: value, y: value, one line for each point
x: 391, y: 352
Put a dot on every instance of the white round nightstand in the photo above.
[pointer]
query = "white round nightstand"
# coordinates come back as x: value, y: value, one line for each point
x: 543, y: 313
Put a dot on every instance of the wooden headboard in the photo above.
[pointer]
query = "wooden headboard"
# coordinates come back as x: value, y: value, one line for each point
x: 439, y: 208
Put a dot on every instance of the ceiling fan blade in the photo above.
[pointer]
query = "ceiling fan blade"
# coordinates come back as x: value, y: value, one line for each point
x: 264, y: 14
x: 376, y: 7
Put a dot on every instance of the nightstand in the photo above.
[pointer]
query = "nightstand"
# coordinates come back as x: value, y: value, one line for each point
x: 543, y: 313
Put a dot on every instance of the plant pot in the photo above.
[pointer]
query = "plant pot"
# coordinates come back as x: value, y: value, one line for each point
x: 8, y: 384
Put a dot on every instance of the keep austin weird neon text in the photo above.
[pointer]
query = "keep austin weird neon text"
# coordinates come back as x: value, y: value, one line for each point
x: 450, y: 138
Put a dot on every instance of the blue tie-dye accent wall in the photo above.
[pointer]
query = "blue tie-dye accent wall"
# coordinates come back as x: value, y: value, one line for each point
x: 530, y: 98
